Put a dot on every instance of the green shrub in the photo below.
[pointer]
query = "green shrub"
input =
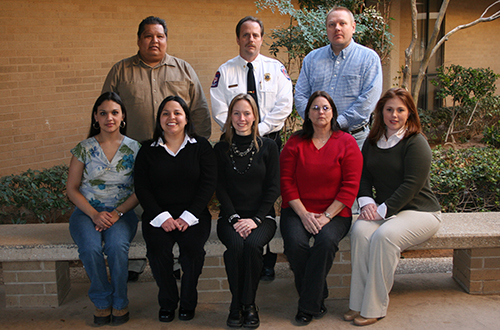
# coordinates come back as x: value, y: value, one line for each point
x: 38, y: 194
x: 466, y: 180
x: 474, y: 104
x: 492, y: 135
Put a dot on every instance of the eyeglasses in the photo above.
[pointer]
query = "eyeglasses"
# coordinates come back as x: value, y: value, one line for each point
x: 325, y: 108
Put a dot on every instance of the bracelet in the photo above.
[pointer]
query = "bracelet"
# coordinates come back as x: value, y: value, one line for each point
x: 233, y: 218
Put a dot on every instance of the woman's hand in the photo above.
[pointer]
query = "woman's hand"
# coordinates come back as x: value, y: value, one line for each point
x: 369, y: 212
x: 322, y: 220
x: 182, y: 225
x: 311, y: 222
x: 170, y: 225
x: 103, y: 220
x: 244, y: 227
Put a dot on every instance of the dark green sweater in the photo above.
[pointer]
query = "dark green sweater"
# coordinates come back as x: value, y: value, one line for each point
x: 399, y: 176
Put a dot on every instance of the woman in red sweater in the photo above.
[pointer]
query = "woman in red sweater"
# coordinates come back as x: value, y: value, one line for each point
x: 320, y: 172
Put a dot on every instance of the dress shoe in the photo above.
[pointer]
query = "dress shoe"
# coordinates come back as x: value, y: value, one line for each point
x: 360, y: 320
x: 166, y: 315
x: 102, y: 316
x: 186, y: 314
x: 303, y: 318
x: 235, y: 319
x: 250, y: 317
x: 267, y: 274
x: 350, y: 315
x: 322, y: 312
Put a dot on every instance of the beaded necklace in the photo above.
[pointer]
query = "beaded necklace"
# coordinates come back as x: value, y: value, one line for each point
x: 234, y: 151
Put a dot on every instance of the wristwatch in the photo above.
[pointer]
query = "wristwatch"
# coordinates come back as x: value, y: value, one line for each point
x: 328, y: 215
x: 120, y: 214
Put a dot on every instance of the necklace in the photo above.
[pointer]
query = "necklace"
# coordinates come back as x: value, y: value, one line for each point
x: 235, y: 151
x: 238, y: 153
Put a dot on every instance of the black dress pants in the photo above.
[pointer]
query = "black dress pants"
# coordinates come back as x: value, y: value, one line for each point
x: 310, y: 265
x: 243, y: 259
x: 159, y: 244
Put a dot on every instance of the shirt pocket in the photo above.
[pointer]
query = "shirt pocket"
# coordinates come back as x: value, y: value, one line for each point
x: 179, y: 88
x: 352, y: 85
x: 268, y: 93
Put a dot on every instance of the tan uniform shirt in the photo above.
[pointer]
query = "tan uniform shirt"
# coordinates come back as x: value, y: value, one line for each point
x: 142, y: 89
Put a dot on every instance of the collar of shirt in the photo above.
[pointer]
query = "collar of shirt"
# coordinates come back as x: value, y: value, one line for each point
x: 160, y: 143
x: 255, y: 62
x: 384, y: 143
x: 344, y: 52
x: 167, y: 60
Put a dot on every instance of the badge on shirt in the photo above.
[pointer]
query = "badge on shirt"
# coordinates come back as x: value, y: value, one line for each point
x: 267, y: 76
x: 285, y: 73
x: 215, y: 82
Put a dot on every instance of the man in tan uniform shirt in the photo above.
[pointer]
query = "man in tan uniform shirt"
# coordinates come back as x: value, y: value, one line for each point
x: 144, y: 80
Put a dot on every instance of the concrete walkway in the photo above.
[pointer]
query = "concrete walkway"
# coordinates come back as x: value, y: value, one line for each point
x: 418, y: 301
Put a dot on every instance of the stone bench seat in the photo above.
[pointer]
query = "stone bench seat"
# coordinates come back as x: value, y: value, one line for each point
x: 35, y: 259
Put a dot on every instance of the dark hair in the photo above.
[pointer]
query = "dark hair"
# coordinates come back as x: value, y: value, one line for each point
x: 412, y: 123
x: 228, y: 127
x: 252, y: 19
x: 107, y: 96
x: 188, y: 129
x: 151, y: 20
x: 307, y: 130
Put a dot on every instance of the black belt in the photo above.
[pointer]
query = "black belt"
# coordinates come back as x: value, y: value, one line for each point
x: 357, y: 130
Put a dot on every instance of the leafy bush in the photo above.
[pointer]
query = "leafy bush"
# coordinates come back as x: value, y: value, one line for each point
x: 466, y: 180
x: 492, y: 135
x: 39, y: 194
x: 474, y: 104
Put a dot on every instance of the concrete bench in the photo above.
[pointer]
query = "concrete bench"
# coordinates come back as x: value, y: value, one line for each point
x: 36, y: 269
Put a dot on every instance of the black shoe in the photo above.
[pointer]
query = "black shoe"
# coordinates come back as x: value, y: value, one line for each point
x: 235, y: 319
x: 322, y: 312
x: 133, y: 276
x: 166, y: 315
x: 250, y: 317
x: 303, y: 318
x: 119, y: 320
x: 102, y: 320
x: 186, y: 314
x: 267, y: 274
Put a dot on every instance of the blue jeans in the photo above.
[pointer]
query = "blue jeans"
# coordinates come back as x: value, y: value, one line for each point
x: 115, y: 243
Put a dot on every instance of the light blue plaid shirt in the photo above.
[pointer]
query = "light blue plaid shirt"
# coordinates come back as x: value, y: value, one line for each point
x: 353, y: 79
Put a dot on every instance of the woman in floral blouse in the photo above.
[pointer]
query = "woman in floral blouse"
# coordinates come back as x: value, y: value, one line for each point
x: 101, y: 185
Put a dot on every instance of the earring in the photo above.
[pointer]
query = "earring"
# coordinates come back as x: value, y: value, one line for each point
x: 123, y: 124
x: 93, y: 125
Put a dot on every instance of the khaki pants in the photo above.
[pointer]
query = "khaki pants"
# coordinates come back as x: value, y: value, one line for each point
x: 376, y: 247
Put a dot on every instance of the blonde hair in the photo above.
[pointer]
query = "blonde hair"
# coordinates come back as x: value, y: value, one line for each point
x: 228, y: 126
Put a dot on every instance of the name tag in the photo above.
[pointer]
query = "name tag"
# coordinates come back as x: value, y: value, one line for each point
x: 232, y: 86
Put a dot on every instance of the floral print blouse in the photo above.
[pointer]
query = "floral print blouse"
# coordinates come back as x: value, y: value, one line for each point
x: 105, y: 183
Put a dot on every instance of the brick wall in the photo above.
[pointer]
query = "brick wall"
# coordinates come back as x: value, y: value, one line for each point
x: 55, y: 54
x: 477, y: 270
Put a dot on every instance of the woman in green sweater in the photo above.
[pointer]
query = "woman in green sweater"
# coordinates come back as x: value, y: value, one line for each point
x: 398, y: 208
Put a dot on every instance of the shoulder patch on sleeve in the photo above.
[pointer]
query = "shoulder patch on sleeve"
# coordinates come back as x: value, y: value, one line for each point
x: 283, y: 70
x: 215, y: 82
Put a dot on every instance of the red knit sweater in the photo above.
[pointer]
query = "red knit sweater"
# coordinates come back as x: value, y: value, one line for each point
x: 318, y: 177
